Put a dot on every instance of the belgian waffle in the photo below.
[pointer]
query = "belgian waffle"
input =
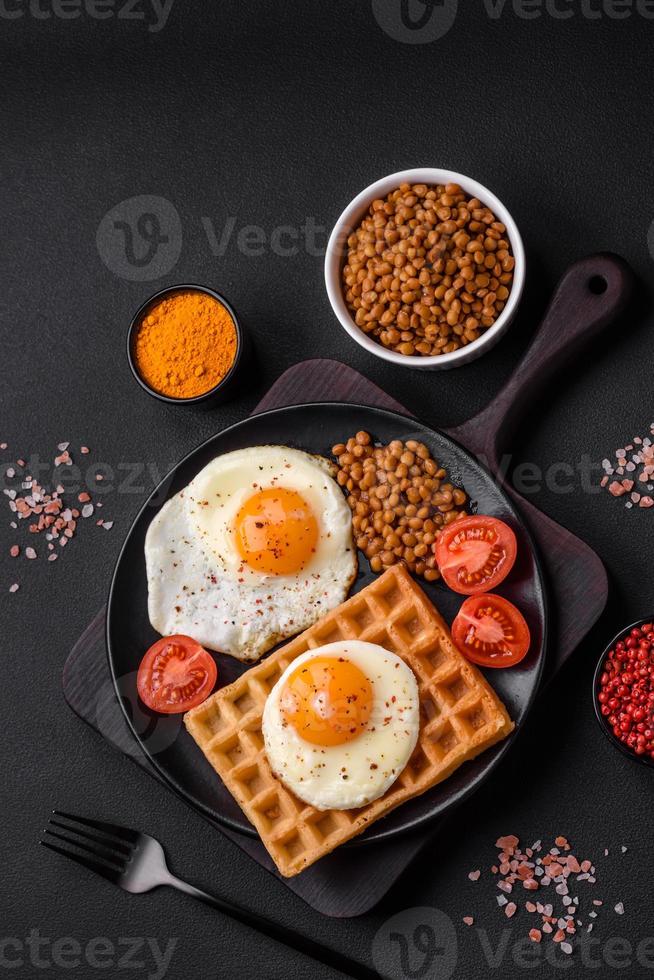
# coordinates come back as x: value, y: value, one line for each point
x: 461, y: 716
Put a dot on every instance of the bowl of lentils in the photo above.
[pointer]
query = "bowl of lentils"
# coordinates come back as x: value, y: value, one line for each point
x: 425, y: 268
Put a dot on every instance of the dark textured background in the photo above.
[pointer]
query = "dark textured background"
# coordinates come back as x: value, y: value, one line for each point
x: 272, y: 112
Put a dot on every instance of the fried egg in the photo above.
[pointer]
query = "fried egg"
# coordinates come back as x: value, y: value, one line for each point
x: 255, y: 549
x: 341, y: 723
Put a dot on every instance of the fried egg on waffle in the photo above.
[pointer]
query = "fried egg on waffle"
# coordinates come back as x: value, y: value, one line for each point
x: 254, y: 550
x: 341, y: 723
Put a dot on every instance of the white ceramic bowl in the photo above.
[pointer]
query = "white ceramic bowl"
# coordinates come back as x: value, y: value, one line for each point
x: 349, y: 220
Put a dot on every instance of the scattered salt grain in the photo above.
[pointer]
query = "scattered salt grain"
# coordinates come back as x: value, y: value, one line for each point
x: 63, y: 446
x: 468, y: 919
x: 619, y: 908
x: 30, y: 553
x: 87, y: 510
x: 107, y: 525
x: 14, y: 588
x: 474, y: 875
x: 640, y: 463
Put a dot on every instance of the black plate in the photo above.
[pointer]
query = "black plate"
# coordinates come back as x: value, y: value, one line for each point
x: 315, y: 428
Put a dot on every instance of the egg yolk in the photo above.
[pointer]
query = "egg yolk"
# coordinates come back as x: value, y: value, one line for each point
x: 328, y: 701
x: 276, y: 531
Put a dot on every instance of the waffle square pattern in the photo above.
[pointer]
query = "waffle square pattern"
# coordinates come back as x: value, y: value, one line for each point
x: 461, y: 716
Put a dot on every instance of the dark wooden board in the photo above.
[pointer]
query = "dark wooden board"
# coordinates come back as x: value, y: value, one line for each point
x: 591, y: 294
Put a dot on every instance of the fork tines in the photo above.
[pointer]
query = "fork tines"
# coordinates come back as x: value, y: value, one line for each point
x: 101, y: 847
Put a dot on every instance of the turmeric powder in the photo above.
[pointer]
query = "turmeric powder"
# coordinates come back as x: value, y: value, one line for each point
x: 185, y: 344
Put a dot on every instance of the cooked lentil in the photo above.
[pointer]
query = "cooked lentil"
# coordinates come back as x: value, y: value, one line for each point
x: 400, y: 498
x: 428, y: 270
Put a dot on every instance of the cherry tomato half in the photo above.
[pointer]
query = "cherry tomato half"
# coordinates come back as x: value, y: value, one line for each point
x: 490, y: 631
x: 176, y: 674
x: 474, y: 554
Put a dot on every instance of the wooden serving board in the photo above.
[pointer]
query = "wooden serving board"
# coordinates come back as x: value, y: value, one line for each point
x: 575, y: 575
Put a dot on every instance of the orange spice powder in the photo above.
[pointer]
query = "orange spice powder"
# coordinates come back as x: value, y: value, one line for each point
x: 185, y: 345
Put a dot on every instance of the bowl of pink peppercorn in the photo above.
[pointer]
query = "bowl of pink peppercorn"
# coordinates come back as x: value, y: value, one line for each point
x: 623, y: 691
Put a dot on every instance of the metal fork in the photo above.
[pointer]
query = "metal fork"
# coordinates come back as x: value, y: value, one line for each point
x: 136, y: 863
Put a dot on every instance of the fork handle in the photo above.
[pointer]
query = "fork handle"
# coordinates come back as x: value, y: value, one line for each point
x: 279, y: 932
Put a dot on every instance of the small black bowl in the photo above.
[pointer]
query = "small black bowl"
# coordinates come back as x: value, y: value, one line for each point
x: 226, y: 388
x: 644, y: 760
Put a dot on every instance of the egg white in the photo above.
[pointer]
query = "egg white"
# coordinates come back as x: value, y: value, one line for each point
x: 344, y: 777
x: 199, y: 586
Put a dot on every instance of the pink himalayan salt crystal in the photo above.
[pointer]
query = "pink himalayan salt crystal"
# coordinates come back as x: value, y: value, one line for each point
x: 616, y: 489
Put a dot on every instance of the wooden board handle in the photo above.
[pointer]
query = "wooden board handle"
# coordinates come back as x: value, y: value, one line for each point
x: 591, y: 294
